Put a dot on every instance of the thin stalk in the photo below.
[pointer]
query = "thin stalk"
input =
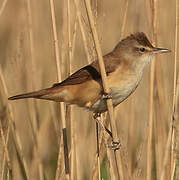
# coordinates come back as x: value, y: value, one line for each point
x: 69, y: 108
x: 121, y: 35
x: 4, y: 158
x: 33, y: 104
x: 151, y: 100
x: 137, y: 169
x: 131, y: 131
x: 73, y: 122
x: 89, y: 60
x: 6, y: 151
x: 33, y: 67
x: 113, y: 163
x: 150, y: 125
x: 5, y: 142
x: 174, y: 104
x: 97, y: 145
x: 171, y: 135
x: 173, y: 159
x: 101, y: 150
x: 176, y: 148
x: 79, y: 18
x: 159, y: 131
x: 73, y: 145
x: 62, y: 108
x: 61, y: 176
x: 97, y: 127
x: 15, y: 134
x: 82, y: 30
x: 125, y: 18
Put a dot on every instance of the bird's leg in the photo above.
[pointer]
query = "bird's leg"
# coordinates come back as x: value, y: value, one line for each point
x: 96, y: 117
x: 114, y: 145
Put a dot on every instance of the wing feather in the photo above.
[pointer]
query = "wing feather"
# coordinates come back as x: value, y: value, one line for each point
x: 90, y: 72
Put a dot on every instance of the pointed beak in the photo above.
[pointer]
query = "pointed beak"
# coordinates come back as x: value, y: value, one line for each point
x: 160, y: 50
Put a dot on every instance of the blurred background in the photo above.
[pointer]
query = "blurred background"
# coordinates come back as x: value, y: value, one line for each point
x: 28, y: 63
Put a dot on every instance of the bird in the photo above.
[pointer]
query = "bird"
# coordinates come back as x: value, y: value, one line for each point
x: 124, y: 66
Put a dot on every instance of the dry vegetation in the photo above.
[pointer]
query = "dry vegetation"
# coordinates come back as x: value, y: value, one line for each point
x: 33, y: 56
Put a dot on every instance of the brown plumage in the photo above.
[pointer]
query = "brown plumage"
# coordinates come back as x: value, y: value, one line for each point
x: 124, y: 67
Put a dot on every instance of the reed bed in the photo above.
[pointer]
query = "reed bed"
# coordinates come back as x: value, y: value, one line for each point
x: 48, y: 41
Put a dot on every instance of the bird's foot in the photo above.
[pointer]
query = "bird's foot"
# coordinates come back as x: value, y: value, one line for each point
x: 107, y: 95
x: 115, y: 145
x: 96, y: 116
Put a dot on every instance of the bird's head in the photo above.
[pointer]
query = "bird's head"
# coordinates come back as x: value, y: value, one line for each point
x: 137, y: 48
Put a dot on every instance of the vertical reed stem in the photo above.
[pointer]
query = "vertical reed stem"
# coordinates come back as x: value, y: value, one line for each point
x: 6, y: 151
x: 97, y: 145
x: 151, y: 100
x: 62, y: 108
x: 171, y: 134
x: 4, y: 158
x: 15, y: 134
x: 69, y: 108
x: 112, y: 158
x: 33, y: 104
x: 82, y: 30
x: 174, y: 104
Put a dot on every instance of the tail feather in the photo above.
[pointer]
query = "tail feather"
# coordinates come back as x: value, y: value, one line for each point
x: 35, y: 94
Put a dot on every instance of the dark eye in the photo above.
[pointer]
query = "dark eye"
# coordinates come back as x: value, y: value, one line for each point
x: 142, y: 49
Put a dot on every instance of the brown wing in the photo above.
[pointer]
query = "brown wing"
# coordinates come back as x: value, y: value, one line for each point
x: 90, y: 72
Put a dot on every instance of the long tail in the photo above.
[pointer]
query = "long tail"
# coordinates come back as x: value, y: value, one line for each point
x: 35, y: 94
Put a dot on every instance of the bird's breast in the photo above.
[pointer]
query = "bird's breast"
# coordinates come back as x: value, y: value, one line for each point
x: 121, y: 86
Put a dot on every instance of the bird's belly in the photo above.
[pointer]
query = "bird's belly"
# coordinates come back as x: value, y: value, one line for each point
x: 119, y: 93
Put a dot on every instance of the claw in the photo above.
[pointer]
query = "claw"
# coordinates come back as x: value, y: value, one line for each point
x: 96, y: 115
x: 107, y: 95
x: 115, y: 145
